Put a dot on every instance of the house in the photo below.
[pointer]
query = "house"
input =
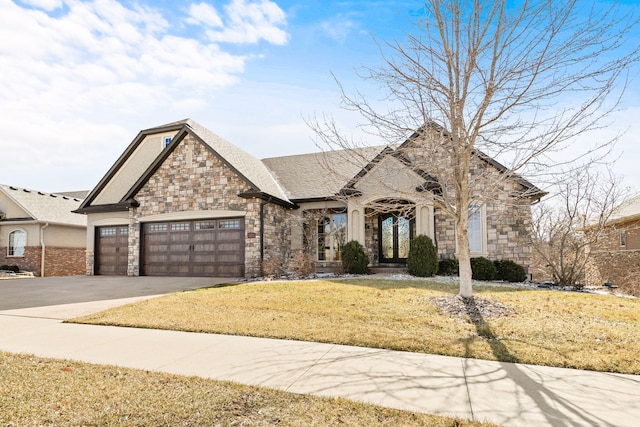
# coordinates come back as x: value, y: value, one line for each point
x: 183, y: 201
x: 39, y: 233
x: 615, y: 258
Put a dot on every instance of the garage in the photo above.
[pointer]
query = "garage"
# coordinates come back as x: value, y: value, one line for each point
x: 111, y: 257
x: 212, y: 247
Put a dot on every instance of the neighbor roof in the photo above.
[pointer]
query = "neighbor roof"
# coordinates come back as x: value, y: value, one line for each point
x: 46, y: 207
x: 627, y: 211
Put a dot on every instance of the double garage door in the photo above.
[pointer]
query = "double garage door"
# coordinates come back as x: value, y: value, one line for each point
x: 213, y: 247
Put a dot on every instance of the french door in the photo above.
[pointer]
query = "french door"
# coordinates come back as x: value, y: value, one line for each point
x: 395, y: 234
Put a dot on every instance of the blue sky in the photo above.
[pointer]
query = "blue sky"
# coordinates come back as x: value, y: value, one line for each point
x: 81, y: 78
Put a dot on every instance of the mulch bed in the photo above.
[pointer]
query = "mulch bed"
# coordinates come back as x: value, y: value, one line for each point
x: 475, y: 307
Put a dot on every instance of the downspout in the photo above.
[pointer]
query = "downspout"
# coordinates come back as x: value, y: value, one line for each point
x: 43, y: 247
x: 262, y: 205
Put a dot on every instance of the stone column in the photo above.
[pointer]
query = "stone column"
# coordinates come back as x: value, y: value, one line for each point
x: 355, y: 222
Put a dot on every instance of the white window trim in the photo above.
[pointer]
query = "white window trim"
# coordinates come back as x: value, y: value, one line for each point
x: 483, y: 234
x: 331, y: 235
x: 9, y: 243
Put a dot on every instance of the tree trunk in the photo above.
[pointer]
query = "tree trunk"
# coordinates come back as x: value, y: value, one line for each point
x: 464, y: 258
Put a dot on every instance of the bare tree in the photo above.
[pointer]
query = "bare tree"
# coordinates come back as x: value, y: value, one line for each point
x: 566, y: 226
x: 518, y: 82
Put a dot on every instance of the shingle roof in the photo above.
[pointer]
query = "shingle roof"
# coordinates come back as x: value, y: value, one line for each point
x: 627, y: 211
x: 46, y: 207
x: 318, y: 175
x: 252, y: 168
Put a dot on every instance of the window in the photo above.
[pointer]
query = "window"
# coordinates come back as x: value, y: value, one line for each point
x: 476, y: 229
x: 332, y: 235
x: 205, y: 225
x: 229, y: 223
x: 157, y: 228
x: 17, y: 242
x: 167, y: 141
x: 623, y: 238
x: 108, y: 231
x: 180, y: 226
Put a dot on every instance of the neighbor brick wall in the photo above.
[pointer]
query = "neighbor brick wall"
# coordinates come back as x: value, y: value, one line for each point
x: 29, y: 262
x: 58, y: 261
x: 64, y: 261
x: 622, y: 268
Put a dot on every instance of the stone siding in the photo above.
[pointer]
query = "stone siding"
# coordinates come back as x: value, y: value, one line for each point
x: 193, y: 178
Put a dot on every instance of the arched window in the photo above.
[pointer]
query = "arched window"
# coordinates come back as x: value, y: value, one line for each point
x: 17, y: 242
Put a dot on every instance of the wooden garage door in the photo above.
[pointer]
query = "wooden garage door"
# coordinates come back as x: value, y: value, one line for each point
x: 111, y: 250
x: 212, y: 247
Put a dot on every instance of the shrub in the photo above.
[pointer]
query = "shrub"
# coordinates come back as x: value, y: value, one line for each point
x: 482, y: 269
x: 354, y: 260
x: 509, y: 271
x: 302, y: 264
x: 448, y: 267
x: 423, y: 258
x: 274, y: 266
x: 13, y: 268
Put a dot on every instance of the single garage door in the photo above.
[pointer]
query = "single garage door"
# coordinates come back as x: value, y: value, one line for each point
x: 212, y: 247
x: 111, y: 254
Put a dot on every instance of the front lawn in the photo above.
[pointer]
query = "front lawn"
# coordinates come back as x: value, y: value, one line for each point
x: 46, y: 392
x: 566, y: 329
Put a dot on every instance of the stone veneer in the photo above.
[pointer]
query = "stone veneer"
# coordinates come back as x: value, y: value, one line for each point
x: 193, y: 178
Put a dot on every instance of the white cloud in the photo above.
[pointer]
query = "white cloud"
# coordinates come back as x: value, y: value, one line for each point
x: 204, y: 13
x: 249, y: 22
x: 94, y: 70
x: 339, y: 27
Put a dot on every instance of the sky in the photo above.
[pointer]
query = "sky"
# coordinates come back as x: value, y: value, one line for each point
x: 80, y: 79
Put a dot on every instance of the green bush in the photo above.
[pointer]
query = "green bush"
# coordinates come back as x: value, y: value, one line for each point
x: 482, y: 269
x: 354, y: 260
x: 509, y: 271
x: 423, y: 258
x: 448, y: 267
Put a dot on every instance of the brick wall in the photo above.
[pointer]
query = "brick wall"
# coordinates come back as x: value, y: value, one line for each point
x: 58, y: 261
x: 29, y: 262
x: 64, y: 261
x: 621, y: 267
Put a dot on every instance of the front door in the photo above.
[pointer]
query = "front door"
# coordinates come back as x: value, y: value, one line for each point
x: 395, y: 233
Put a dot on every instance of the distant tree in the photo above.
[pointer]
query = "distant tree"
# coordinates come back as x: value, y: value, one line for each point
x: 567, y: 225
x: 518, y: 81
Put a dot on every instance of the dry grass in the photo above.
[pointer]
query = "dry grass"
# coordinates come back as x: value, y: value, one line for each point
x: 566, y: 329
x: 37, y: 392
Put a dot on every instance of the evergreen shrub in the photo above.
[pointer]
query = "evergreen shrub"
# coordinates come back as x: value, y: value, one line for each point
x: 509, y: 271
x: 448, y: 267
x: 354, y: 260
x: 423, y: 258
x: 482, y: 269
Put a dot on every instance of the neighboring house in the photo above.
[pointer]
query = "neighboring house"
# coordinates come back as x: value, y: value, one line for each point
x: 181, y: 200
x: 39, y: 233
x: 616, y: 256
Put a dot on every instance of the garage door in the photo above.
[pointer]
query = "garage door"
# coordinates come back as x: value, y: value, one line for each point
x: 194, y: 248
x: 111, y: 250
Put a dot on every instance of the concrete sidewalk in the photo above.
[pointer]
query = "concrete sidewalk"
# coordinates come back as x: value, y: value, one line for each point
x: 504, y: 393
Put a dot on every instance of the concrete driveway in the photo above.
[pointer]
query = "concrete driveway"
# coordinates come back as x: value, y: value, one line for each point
x: 47, y: 291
